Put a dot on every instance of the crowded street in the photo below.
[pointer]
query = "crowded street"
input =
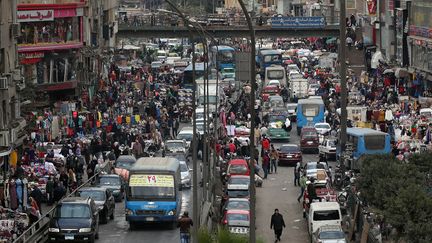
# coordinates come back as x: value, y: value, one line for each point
x: 178, y: 122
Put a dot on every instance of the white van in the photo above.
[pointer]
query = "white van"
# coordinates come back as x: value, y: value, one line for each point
x: 323, y: 213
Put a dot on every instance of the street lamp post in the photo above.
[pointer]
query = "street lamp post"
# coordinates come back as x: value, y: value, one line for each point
x: 343, y: 69
x: 252, y: 237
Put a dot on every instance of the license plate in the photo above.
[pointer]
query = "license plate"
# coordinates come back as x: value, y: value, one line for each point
x: 149, y: 219
x: 309, y: 142
x: 278, y: 135
x: 289, y: 156
x: 69, y: 237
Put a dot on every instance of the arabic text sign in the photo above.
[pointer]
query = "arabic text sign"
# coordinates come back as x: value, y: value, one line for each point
x: 152, y: 180
x: 298, y: 22
x: 35, y: 15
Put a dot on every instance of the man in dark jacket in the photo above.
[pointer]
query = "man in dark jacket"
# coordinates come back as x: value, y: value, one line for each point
x: 185, y: 223
x: 277, y: 223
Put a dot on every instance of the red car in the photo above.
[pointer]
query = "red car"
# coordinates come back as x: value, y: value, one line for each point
x: 289, y: 154
x: 238, y: 167
x: 323, y: 191
x: 235, y: 215
x: 309, y: 139
x: 268, y: 91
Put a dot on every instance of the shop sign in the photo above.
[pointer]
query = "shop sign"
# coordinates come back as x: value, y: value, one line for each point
x: 298, y: 22
x: 35, y: 15
x: 30, y: 55
x: 63, y: 13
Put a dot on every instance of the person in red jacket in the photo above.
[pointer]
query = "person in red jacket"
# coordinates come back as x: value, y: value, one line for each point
x: 232, y: 147
x: 265, y: 145
x: 266, y: 164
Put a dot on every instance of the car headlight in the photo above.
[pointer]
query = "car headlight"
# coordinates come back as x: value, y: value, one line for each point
x: 54, y: 230
x: 172, y: 213
x: 128, y: 212
x: 85, y: 230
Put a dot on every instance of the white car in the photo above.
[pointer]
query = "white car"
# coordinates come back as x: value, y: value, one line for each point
x: 176, y: 146
x: 327, y: 148
x: 313, y: 88
x: 186, y: 133
x: 185, y: 175
x: 274, y: 82
x: 322, y: 128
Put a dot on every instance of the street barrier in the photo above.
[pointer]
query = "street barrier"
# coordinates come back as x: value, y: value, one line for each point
x: 38, y: 231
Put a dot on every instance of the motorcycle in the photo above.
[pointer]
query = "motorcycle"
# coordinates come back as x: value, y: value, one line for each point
x: 337, y: 178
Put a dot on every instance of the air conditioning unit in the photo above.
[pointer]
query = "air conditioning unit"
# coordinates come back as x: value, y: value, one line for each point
x: 3, y: 83
x: 15, y: 30
x: 4, y: 138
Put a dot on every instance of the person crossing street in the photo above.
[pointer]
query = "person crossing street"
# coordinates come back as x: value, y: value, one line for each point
x: 185, y: 223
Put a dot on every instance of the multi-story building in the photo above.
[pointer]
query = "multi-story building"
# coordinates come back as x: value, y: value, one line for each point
x: 420, y: 41
x: 11, y: 123
x: 59, y: 40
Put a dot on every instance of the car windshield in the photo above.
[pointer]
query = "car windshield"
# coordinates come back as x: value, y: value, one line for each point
x: 239, y: 181
x: 291, y: 107
x: 325, y: 126
x: 331, y: 143
x: 151, y: 187
x: 183, y: 167
x: 72, y: 211
x: 289, y: 149
x: 124, y: 164
x: 241, y: 217
x: 244, y: 205
x: 174, y: 145
x: 109, y: 180
x: 276, y: 103
x: 238, y: 169
x: 328, y: 235
x: 313, y: 166
x: 238, y: 193
x: 185, y: 136
x: 276, y: 118
x: 309, y: 134
x: 326, y: 215
x: 95, y: 195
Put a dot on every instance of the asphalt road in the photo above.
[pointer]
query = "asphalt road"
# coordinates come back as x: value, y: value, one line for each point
x: 279, y: 192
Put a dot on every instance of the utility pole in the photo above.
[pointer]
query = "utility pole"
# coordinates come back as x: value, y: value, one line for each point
x: 343, y: 69
x: 252, y: 237
x: 194, y: 153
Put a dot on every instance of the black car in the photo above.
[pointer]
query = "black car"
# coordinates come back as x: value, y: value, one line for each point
x: 104, y: 201
x: 114, y: 183
x: 74, y: 219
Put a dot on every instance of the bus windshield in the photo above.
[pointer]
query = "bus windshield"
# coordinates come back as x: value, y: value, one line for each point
x: 275, y: 74
x: 151, y: 186
x: 226, y: 56
x: 310, y: 110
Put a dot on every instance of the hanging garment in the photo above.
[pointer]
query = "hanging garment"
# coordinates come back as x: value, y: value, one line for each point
x: 13, y: 195
x: 19, y: 191
x: 389, y: 115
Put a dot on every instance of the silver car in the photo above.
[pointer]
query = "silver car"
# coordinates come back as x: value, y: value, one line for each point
x: 329, y: 234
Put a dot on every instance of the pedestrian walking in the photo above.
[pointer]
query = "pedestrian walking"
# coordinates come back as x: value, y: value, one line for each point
x: 303, y: 180
x: 277, y: 224
x: 274, y: 156
x: 266, y: 164
x: 297, y: 174
x: 185, y: 223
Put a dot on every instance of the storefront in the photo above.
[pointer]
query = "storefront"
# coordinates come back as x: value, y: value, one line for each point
x: 51, y: 36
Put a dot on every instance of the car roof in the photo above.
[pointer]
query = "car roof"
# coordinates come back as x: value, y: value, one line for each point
x: 330, y: 228
x: 109, y: 175
x: 325, y: 205
x: 126, y: 158
x: 93, y: 188
x: 238, y: 211
x: 238, y: 199
x: 363, y: 131
x: 75, y: 200
x: 237, y: 161
x: 289, y: 145
x: 240, y: 176
x: 174, y: 141
x: 321, y: 123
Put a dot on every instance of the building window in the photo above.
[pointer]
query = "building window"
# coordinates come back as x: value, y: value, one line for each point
x: 351, y: 4
x: 62, y: 30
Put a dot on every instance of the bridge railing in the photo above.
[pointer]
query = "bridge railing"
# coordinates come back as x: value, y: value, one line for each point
x: 162, y: 20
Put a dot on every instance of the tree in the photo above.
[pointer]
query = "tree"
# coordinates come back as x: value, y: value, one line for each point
x: 399, y: 190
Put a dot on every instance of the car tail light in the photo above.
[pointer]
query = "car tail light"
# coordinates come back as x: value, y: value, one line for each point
x: 225, y: 221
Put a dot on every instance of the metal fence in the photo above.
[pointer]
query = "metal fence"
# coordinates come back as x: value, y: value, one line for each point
x: 38, y: 231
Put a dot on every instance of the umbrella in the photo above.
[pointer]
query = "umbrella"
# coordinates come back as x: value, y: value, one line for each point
x: 388, y: 71
x: 377, y: 56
